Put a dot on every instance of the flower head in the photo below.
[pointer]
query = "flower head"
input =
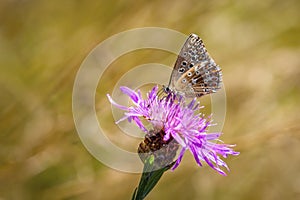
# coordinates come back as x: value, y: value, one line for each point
x: 180, y: 121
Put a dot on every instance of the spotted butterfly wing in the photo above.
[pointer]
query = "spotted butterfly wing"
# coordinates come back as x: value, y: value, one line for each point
x: 195, y: 73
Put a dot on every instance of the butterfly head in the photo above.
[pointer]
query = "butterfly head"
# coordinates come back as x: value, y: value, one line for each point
x: 167, y: 89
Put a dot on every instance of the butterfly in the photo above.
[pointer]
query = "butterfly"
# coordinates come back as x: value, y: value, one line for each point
x: 195, y: 73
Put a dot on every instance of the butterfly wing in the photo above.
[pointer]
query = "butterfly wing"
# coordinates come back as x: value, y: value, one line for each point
x: 195, y: 73
x: 187, y: 57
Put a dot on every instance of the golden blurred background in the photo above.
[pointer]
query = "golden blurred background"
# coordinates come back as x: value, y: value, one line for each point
x: 43, y: 43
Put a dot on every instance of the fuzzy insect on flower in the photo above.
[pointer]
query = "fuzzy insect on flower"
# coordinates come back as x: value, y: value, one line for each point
x: 175, y: 119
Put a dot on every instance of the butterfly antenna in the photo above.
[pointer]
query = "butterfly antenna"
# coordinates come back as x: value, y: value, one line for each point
x: 160, y: 92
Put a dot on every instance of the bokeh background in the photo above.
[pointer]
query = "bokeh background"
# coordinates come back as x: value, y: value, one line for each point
x: 43, y: 43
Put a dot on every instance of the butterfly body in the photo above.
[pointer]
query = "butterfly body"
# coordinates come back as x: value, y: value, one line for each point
x: 195, y: 73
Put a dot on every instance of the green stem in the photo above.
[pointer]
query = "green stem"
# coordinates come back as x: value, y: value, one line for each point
x: 148, y: 179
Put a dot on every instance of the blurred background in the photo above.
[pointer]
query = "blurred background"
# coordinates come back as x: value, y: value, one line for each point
x: 43, y: 43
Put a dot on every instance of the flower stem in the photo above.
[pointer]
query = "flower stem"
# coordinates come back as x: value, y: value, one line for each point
x: 148, y: 179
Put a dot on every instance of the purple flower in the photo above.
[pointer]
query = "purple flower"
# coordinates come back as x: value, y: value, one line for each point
x: 179, y: 121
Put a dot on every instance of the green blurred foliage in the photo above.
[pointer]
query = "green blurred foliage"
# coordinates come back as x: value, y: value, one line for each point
x: 43, y: 43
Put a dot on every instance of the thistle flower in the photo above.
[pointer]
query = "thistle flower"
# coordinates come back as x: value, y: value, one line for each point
x: 177, y: 120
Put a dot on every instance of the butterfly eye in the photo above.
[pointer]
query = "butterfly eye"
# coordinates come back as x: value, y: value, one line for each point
x: 189, y: 74
x: 191, y: 65
x: 167, y: 90
x: 197, y: 72
x: 183, y: 80
x: 184, y: 54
